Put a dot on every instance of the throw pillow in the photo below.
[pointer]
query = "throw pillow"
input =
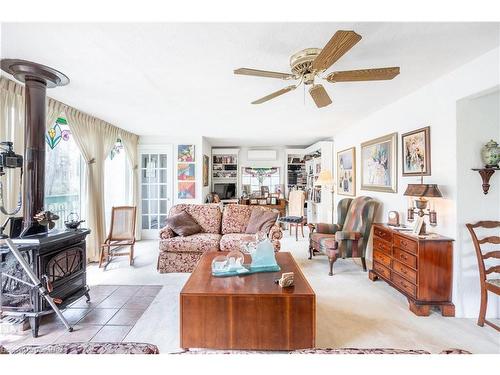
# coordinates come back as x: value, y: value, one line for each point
x: 261, y: 220
x: 183, y: 224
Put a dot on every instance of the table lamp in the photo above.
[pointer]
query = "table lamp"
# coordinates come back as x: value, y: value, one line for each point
x: 325, y: 178
x: 423, y: 192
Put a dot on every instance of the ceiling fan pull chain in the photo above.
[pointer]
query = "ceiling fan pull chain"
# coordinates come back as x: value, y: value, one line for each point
x: 304, y: 94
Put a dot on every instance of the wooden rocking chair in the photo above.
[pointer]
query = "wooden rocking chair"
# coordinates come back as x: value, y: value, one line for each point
x: 487, y: 285
x: 121, y: 234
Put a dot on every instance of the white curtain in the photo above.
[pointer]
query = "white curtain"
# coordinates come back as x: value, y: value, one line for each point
x: 95, y: 138
x: 11, y: 129
x: 130, y: 142
x: 54, y: 110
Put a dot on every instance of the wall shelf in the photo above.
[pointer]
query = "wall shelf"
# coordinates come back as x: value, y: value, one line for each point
x: 486, y: 174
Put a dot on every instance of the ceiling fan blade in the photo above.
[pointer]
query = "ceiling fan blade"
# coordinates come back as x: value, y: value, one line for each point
x: 341, y: 42
x: 275, y: 94
x: 263, y: 73
x: 376, y: 74
x: 320, y: 96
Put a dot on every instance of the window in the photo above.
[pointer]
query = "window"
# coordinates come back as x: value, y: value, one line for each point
x: 63, y: 173
x: 255, y: 178
x: 117, y: 181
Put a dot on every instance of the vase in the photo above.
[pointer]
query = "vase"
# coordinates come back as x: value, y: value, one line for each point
x: 490, y: 154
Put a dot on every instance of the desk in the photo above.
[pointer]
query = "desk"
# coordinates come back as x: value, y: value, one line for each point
x: 281, y: 206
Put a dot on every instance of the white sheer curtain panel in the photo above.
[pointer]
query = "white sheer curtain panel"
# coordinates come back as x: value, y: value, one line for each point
x: 95, y: 138
x: 130, y: 142
x: 11, y: 129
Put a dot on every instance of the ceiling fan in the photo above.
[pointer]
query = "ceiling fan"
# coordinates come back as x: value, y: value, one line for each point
x: 311, y: 63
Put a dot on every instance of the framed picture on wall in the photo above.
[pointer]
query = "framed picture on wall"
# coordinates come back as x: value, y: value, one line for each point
x: 416, y: 146
x: 346, y: 172
x: 185, y: 153
x: 206, y: 163
x: 186, y: 190
x: 185, y: 172
x: 379, y: 164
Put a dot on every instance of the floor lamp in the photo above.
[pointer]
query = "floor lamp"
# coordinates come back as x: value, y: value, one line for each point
x: 325, y: 179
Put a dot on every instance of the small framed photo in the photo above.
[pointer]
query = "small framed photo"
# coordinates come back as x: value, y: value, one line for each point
x: 262, y: 202
x: 274, y: 200
x: 417, y: 227
x: 253, y: 201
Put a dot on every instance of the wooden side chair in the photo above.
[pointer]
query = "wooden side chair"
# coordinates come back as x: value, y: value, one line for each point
x: 295, y: 218
x: 487, y: 284
x: 121, y: 234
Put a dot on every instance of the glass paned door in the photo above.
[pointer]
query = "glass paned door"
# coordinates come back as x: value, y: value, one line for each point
x: 156, y: 187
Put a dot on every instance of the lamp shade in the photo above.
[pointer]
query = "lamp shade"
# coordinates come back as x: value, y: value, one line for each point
x: 423, y: 190
x: 325, y: 178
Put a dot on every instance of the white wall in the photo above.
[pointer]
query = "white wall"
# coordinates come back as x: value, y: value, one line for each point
x: 433, y: 105
x: 478, y: 121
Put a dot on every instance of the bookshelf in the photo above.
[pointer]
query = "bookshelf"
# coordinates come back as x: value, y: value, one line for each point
x: 225, y: 165
x: 296, y: 172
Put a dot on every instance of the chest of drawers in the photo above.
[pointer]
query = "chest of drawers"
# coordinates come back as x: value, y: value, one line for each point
x: 420, y: 268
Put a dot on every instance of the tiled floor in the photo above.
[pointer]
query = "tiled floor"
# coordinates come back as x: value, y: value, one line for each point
x: 111, y: 314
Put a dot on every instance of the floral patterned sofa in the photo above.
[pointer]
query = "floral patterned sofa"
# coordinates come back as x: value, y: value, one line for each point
x: 221, y: 231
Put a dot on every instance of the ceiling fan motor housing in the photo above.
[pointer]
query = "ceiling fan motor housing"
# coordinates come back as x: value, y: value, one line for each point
x: 301, y: 63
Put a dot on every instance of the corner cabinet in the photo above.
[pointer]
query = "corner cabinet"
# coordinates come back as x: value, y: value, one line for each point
x: 421, y: 268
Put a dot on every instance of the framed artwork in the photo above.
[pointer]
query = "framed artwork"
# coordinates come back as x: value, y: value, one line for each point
x: 274, y: 200
x: 206, y: 163
x: 416, y: 147
x: 346, y: 172
x: 186, y: 190
x: 262, y: 202
x: 185, y: 172
x: 253, y: 201
x: 185, y: 153
x: 379, y: 164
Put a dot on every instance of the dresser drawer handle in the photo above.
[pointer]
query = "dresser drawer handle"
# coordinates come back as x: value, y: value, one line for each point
x: 402, y: 256
x: 404, y: 243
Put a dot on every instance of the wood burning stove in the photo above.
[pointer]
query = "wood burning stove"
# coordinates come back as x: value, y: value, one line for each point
x: 58, y: 258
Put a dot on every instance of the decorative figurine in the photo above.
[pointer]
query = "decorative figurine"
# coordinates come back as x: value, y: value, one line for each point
x: 286, y: 280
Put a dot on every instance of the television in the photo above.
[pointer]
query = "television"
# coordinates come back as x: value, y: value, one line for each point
x: 225, y: 190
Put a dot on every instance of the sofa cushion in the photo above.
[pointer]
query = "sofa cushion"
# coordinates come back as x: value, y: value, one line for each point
x: 236, y: 216
x: 183, y: 224
x: 261, y: 221
x: 208, y: 216
x: 198, y: 243
x: 232, y: 241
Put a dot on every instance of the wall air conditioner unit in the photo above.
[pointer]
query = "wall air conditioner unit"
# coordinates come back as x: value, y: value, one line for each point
x: 255, y: 155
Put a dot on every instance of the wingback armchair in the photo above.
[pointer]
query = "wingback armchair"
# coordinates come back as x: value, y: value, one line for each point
x: 349, y: 237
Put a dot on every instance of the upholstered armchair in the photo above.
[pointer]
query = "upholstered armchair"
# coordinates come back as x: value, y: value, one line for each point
x: 349, y: 236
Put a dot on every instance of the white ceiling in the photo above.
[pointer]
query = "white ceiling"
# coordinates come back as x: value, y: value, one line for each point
x: 176, y: 79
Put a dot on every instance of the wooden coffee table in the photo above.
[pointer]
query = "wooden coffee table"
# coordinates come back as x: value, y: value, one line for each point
x: 247, y: 312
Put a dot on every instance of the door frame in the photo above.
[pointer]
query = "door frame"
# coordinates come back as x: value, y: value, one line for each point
x: 156, y: 149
